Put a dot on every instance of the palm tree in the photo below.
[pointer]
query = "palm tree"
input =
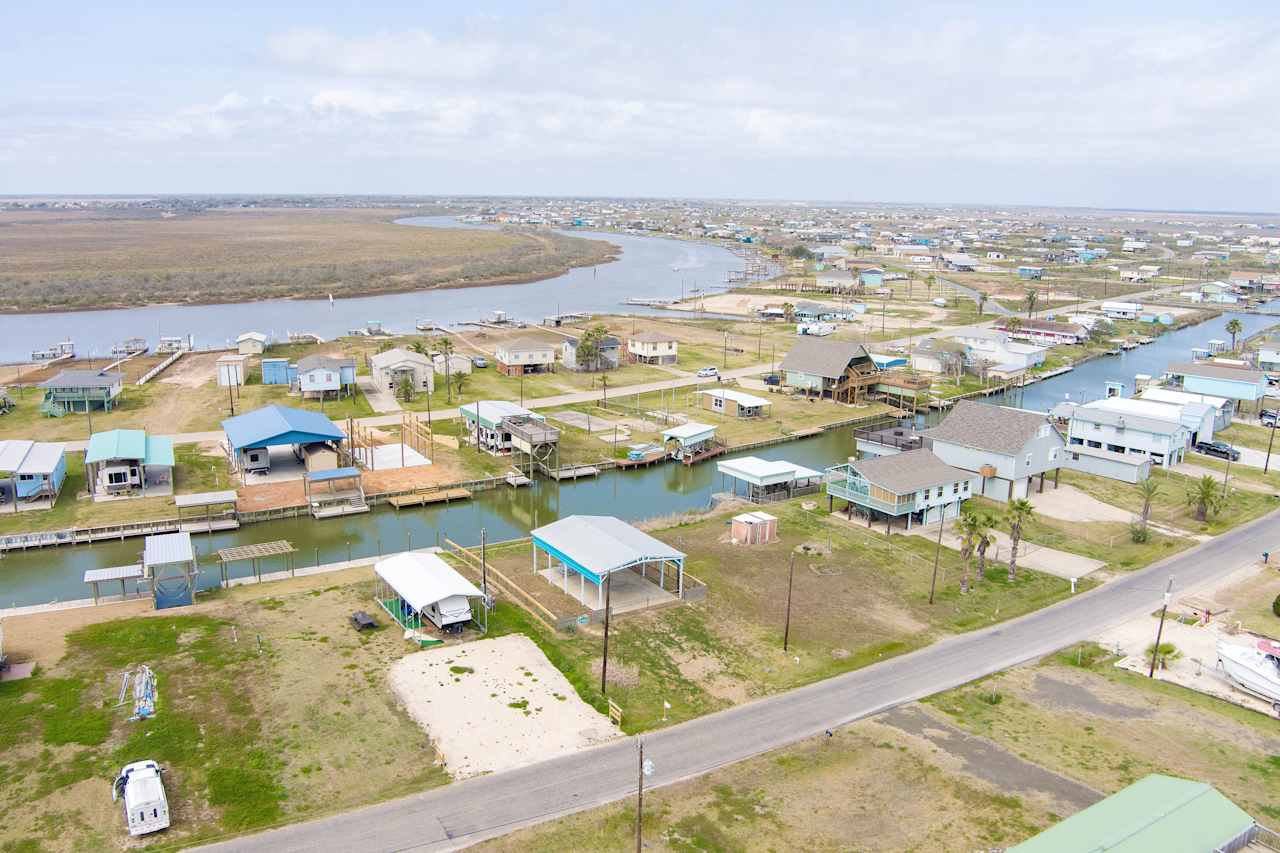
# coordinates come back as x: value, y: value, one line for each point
x: 1234, y: 327
x: 929, y: 282
x: 1016, y: 514
x: 1033, y: 296
x: 967, y: 526
x: 1148, y: 489
x: 981, y: 298
x: 1013, y: 324
x: 1205, y: 496
x: 985, y: 539
x: 445, y: 345
x: 788, y: 311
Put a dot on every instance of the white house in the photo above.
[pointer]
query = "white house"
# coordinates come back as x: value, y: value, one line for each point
x: 1140, y: 428
x: 392, y: 367
x: 322, y: 374
x: 451, y: 364
x: 1122, y: 310
x: 1222, y: 407
x: 251, y: 343
x: 525, y: 355
x: 653, y: 348
x: 1004, y: 448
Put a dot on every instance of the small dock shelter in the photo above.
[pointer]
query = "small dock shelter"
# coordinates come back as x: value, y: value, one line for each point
x: 251, y: 437
x: 594, y: 547
x: 738, y: 404
x: 768, y: 480
x: 129, y: 463
x: 34, y: 472
x: 169, y: 564
x: 224, y: 518
x: 416, y: 586
x: 690, y: 442
x: 336, y: 491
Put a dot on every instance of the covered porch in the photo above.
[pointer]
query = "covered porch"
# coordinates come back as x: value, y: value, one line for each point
x: 338, y: 491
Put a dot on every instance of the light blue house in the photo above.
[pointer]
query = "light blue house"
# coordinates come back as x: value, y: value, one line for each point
x: 872, y: 277
x: 912, y: 487
x: 1030, y: 273
x: 322, y: 375
x: 35, y: 471
x: 1221, y: 380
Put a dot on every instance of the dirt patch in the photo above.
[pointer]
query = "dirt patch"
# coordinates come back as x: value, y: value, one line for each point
x: 193, y: 370
x: 709, y: 674
x: 495, y: 705
x: 1077, y: 697
x: 621, y: 674
x: 989, y: 761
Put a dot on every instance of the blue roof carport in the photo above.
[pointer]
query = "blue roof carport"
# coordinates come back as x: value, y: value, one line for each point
x: 596, y: 546
x: 276, y: 426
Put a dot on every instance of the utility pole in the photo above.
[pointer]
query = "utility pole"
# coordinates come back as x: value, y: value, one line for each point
x: 645, y: 768
x: 1227, y: 476
x: 232, y: 401
x: 604, y: 657
x: 786, y: 628
x: 1168, y: 593
x: 1270, y: 439
x: 726, y: 350
x: 937, y: 552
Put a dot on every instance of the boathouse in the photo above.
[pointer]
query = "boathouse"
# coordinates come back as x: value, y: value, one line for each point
x: 691, y: 442
x: 767, y: 480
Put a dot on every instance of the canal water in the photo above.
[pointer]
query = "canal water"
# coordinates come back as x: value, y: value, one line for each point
x: 655, y: 267
x: 56, y: 574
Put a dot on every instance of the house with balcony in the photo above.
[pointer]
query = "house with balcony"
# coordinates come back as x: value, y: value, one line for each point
x: 652, y: 348
x: 322, y: 376
x: 1003, y: 356
x: 1139, y: 429
x: 842, y: 371
x: 81, y: 390
x: 1005, y: 449
x: 522, y: 356
x: 489, y: 424
x: 902, y: 489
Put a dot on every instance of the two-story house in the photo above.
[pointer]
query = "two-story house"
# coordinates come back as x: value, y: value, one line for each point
x: 607, y: 354
x: 82, y: 390
x: 520, y: 356
x: 912, y: 487
x: 652, y: 348
x: 1002, y: 355
x: 1005, y: 448
x: 1140, y: 428
x: 840, y: 370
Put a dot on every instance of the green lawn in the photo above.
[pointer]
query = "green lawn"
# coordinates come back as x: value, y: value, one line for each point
x: 1169, y: 506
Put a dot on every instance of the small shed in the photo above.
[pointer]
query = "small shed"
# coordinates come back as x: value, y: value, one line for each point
x: 415, y: 586
x: 275, y: 371
x: 231, y: 370
x: 753, y: 528
x: 251, y: 343
x: 738, y: 404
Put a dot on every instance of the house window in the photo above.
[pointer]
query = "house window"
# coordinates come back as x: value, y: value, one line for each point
x: 117, y: 478
x: 955, y: 488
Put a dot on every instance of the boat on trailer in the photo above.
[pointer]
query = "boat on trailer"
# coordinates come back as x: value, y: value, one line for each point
x: 1254, y: 669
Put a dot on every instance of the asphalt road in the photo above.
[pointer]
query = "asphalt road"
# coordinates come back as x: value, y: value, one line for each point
x: 467, y: 812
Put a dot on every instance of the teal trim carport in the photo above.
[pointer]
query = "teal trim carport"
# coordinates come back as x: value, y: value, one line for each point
x: 596, y: 546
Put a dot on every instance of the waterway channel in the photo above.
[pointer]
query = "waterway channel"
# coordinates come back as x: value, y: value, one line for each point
x: 655, y: 267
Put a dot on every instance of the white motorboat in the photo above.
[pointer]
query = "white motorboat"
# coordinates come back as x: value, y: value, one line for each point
x: 1254, y: 669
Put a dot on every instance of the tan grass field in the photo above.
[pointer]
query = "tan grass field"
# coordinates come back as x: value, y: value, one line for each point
x: 75, y: 260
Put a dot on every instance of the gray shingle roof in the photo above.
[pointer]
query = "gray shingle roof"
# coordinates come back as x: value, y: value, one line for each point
x: 909, y: 471
x: 821, y: 357
x: 83, y: 379
x: 1216, y: 371
x: 982, y: 426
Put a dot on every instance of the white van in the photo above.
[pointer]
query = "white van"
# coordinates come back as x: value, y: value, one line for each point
x: 146, y: 809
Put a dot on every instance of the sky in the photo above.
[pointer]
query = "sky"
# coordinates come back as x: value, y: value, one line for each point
x: 1166, y: 105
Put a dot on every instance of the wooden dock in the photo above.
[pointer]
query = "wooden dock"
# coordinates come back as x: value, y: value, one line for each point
x: 429, y: 497
x: 572, y: 472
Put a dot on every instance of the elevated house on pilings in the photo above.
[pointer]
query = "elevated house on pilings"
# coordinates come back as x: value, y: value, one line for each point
x: 836, y: 370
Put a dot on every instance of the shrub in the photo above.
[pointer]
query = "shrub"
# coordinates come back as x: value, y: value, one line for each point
x: 1139, y: 532
x: 1275, y: 606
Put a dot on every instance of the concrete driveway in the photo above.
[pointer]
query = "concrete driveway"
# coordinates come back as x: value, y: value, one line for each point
x: 1030, y: 555
x: 382, y: 400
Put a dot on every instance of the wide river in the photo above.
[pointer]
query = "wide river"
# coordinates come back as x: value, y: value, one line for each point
x: 648, y: 266
x: 55, y: 574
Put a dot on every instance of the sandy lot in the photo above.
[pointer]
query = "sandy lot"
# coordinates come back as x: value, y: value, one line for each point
x: 494, y: 705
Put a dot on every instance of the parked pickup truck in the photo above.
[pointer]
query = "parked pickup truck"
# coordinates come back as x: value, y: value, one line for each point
x: 1220, y: 449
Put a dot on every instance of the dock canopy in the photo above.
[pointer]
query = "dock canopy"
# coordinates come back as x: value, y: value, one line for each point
x: 770, y: 479
x: 275, y: 426
x: 164, y: 548
x: 689, y: 434
x: 129, y: 444
x: 595, y: 546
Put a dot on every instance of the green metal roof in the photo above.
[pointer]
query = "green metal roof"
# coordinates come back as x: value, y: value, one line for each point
x: 130, y: 444
x: 1155, y: 813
